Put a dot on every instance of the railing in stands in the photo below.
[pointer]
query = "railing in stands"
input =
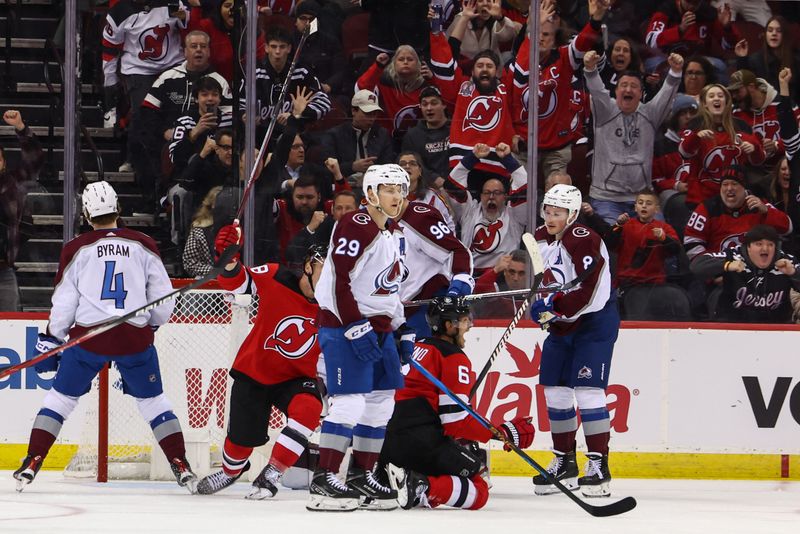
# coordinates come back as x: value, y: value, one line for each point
x: 54, y: 102
x: 11, y: 23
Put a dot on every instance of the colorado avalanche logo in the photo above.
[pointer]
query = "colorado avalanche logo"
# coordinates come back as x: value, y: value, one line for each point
x: 720, y: 159
x: 406, y: 118
x: 732, y: 241
x: 362, y: 218
x: 486, y: 238
x: 421, y: 209
x: 293, y: 337
x: 388, y: 280
x: 553, y: 277
x: 154, y: 43
x: 483, y: 113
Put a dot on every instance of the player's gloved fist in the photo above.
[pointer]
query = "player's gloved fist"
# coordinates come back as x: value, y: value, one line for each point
x: 518, y: 431
x: 46, y: 343
x: 545, y: 306
x: 459, y: 288
x: 364, y: 341
x: 228, y: 236
x: 406, y: 337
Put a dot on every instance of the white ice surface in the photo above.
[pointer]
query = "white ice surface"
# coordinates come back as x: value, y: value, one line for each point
x: 55, y: 505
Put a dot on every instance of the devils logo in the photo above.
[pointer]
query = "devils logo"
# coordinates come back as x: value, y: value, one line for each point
x: 486, y: 238
x: 154, y: 43
x: 483, y: 113
x: 293, y: 337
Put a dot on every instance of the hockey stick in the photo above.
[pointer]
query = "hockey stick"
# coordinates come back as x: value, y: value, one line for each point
x: 311, y: 28
x: 224, y: 259
x: 620, y: 507
x: 537, y: 279
x: 496, y: 294
x: 537, y: 264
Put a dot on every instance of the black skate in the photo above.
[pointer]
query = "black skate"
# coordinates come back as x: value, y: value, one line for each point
x: 183, y: 474
x: 264, y: 486
x: 329, y: 494
x: 564, y: 468
x: 597, y: 478
x: 219, y: 481
x: 374, y: 488
x: 27, y: 471
x: 411, y: 487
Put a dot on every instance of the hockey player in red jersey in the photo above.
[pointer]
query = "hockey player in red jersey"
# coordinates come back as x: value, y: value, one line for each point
x: 360, y: 318
x: 276, y: 366
x: 576, y: 356
x: 428, y: 467
x: 103, y: 274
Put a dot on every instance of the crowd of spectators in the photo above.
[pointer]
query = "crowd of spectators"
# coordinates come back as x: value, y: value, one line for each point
x: 675, y: 118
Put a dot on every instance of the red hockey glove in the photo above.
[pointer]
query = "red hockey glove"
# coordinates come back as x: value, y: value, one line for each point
x: 227, y: 236
x: 518, y: 431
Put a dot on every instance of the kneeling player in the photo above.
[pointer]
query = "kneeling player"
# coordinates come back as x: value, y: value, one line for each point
x: 104, y: 273
x: 276, y: 366
x: 426, y: 422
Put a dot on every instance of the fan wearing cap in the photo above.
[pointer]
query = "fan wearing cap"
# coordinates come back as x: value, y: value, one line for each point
x: 713, y: 142
x: 430, y: 138
x: 756, y: 278
x: 669, y: 169
x: 102, y: 274
x: 362, y: 142
x: 720, y: 222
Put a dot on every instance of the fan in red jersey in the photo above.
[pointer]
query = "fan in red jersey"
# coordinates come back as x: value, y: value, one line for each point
x: 429, y: 468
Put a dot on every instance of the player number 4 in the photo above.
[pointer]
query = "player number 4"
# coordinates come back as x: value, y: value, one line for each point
x: 114, y: 286
x: 347, y: 247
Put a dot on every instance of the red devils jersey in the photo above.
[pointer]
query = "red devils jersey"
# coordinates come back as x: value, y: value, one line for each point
x: 708, y: 158
x: 559, y: 105
x: 714, y: 228
x: 283, y: 343
x: 663, y: 33
x: 449, y: 364
x: 668, y: 164
x: 765, y: 124
x: 478, y: 118
x: 641, y: 255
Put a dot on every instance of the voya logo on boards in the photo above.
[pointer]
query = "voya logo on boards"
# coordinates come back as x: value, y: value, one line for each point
x: 767, y: 410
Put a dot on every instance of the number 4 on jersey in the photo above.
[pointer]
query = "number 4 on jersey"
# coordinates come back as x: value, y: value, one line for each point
x: 114, y: 286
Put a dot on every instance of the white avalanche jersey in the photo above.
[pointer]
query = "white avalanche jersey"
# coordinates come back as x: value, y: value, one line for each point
x: 432, y: 198
x: 488, y: 240
x: 434, y: 255
x: 362, y: 274
x: 108, y: 273
x: 148, y: 40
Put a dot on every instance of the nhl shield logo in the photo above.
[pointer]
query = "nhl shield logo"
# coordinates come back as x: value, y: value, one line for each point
x: 585, y: 372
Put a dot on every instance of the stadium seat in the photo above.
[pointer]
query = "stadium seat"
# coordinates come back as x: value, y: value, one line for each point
x: 578, y: 168
x: 677, y: 213
x: 656, y: 303
x: 267, y: 21
x: 355, y: 39
x: 753, y: 32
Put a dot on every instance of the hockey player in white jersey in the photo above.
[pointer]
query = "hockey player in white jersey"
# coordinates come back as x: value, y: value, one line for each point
x: 360, y: 318
x: 576, y: 356
x: 104, y: 273
x: 491, y: 225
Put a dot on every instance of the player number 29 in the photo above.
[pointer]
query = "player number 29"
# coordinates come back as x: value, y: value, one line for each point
x: 439, y: 230
x: 347, y: 247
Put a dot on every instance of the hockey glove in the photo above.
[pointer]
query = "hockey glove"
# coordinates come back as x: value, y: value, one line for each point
x: 227, y: 236
x: 459, y: 288
x: 364, y: 341
x: 46, y: 343
x: 518, y: 431
x: 405, y: 337
x: 545, y: 306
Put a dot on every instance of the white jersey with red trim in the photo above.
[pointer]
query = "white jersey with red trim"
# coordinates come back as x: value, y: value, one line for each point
x: 362, y: 274
x: 147, y: 39
x: 434, y: 255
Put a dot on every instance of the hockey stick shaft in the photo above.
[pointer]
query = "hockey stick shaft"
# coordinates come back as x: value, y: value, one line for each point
x: 483, y: 296
x: 619, y: 507
x: 224, y: 259
x: 271, y: 126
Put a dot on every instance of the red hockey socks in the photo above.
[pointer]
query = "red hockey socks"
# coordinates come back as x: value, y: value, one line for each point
x: 234, y: 457
x: 458, y: 492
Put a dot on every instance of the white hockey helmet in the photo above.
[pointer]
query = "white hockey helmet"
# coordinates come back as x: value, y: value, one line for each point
x: 564, y: 196
x: 99, y: 198
x: 386, y: 174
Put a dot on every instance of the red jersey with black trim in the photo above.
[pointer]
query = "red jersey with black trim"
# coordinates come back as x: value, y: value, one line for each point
x: 560, y: 106
x: 713, y: 227
x: 283, y: 342
x: 640, y: 256
x: 449, y: 364
x: 709, y: 158
x: 669, y: 168
x: 765, y: 124
x: 663, y: 31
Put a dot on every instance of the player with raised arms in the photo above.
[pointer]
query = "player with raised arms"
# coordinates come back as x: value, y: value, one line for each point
x: 104, y: 273
x: 360, y: 317
x: 275, y: 366
x: 428, y: 467
x: 576, y: 356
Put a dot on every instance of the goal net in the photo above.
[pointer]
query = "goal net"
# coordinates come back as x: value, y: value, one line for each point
x: 195, y: 351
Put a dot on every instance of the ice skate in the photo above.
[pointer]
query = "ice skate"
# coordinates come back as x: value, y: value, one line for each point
x: 564, y: 468
x: 329, y: 494
x: 265, y: 484
x: 27, y: 471
x: 374, y: 488
x: 219, y: 481
x: 183, y: 474
x: 597, y: 478
x: 411, y: 487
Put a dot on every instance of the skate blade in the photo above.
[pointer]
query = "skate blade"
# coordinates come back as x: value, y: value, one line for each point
x: 259, y: 494
x: 550, y: 489
x: 321, y: 503
x: 190, y: 483
x: 600, y: 491
x: 22, y: 482
x: 378, y: 505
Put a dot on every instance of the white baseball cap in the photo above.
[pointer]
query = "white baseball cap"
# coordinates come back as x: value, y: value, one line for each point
x: 99, y: 198
x: 366, y: 101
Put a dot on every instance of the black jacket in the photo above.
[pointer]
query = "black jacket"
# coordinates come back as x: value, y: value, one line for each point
x: 340, y: 143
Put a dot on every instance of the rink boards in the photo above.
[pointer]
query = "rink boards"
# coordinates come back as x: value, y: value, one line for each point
x: 719, y: 401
